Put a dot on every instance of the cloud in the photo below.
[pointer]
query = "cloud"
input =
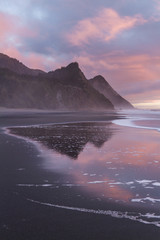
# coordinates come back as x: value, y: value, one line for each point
x: 7, y: 23
x: 12, y: 33
x: 156, y: 13
x: 12, y: 29
x: 105, y: 26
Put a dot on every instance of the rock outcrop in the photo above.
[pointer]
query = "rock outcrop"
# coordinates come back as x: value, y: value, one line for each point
x: 101, y: 85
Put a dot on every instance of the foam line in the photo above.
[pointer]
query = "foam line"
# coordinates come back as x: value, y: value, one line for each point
x: 153, y: 200
x: 35, y: 185
x: 130, y: 123
x: 117, y: 214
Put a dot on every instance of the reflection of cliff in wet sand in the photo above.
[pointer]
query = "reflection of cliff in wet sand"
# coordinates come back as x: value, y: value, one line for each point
x: 68, y: 139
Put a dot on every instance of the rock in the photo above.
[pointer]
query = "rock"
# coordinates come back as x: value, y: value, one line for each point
x: 101, y: 85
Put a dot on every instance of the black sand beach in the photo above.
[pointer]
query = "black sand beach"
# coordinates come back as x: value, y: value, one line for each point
x: 35, y: 190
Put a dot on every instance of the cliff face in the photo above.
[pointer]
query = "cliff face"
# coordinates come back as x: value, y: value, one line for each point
x: 64, y: 89
x: 75, y: 91
x: 101, y: 85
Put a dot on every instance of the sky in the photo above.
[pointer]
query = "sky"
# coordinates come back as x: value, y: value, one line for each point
x: 118, y: 39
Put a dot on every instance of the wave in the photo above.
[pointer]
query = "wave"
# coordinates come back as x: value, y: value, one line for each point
x: 130, y: 123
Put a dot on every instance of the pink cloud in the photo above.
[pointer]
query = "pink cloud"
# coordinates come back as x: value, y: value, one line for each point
x: 12, y: 30
x: 7, y: 25
x: 12, y: 26
x: 105, y: 26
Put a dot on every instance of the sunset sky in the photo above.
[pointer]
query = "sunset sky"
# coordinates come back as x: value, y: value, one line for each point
x: 118, y: 39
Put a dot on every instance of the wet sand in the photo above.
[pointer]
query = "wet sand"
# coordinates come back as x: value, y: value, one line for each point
x: 23, y: 164
x: 148, y: 123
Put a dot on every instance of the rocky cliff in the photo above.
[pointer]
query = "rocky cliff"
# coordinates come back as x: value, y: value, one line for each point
x: 101, y: 85
x: 64, y: 89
